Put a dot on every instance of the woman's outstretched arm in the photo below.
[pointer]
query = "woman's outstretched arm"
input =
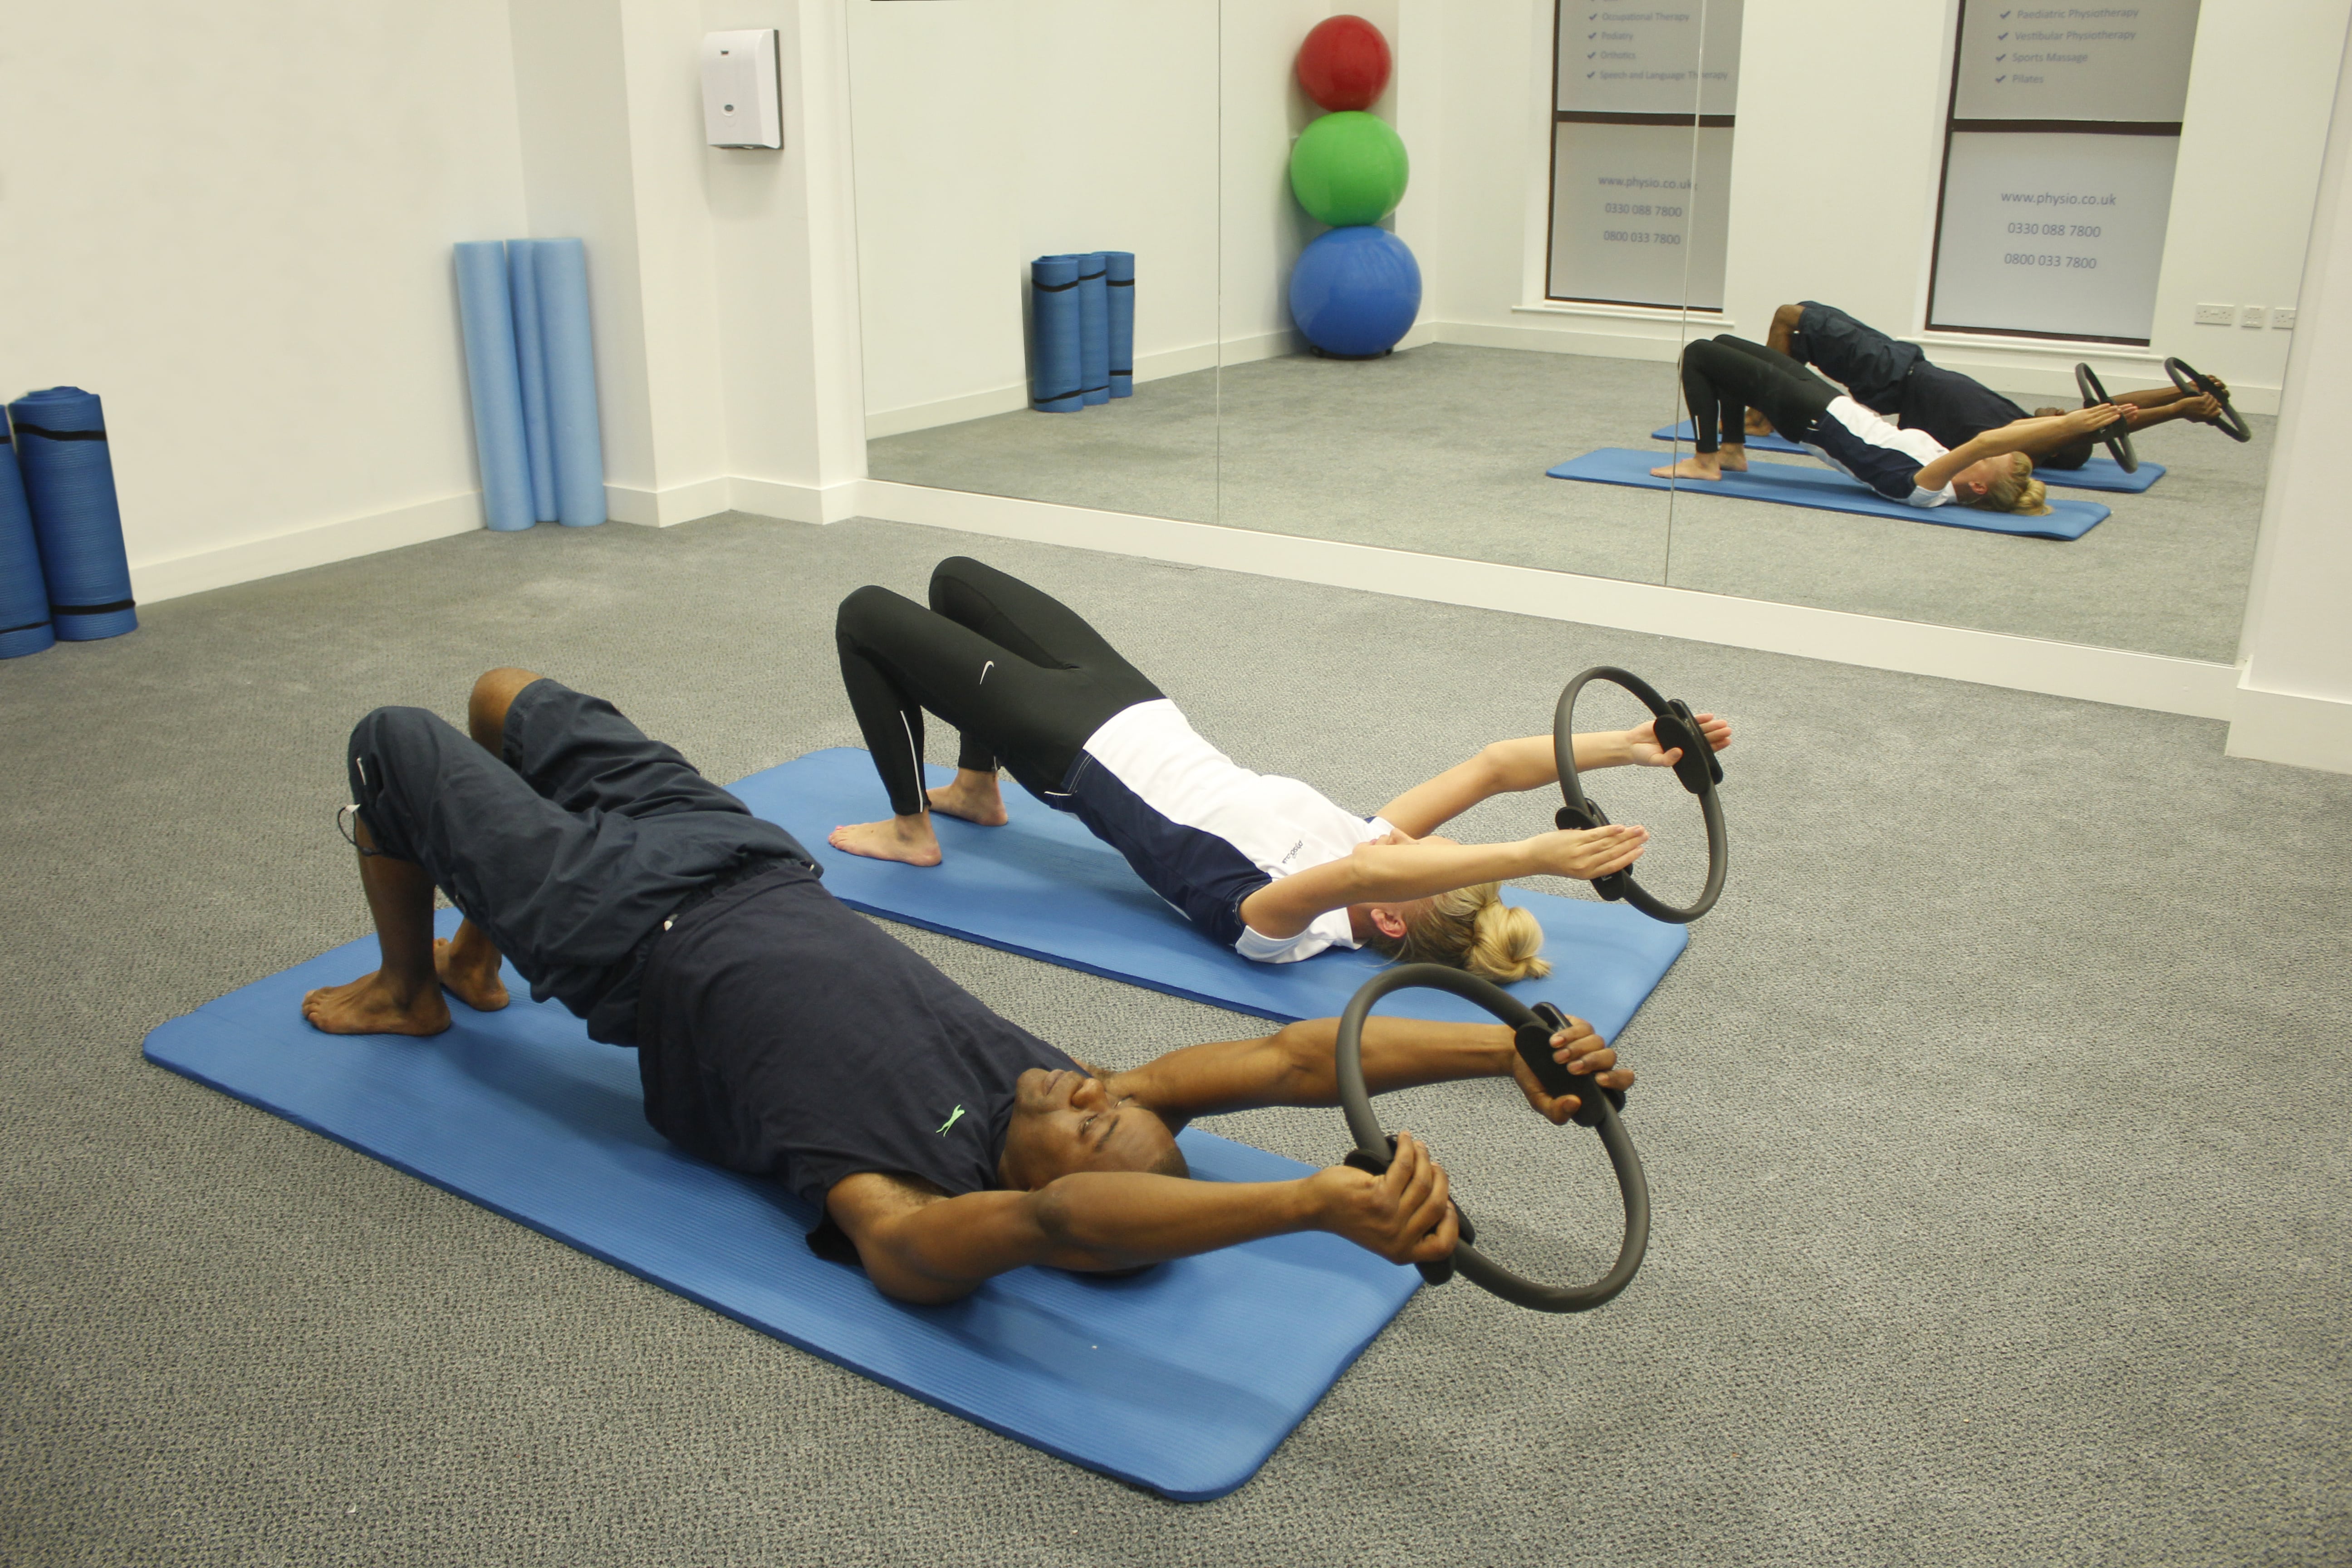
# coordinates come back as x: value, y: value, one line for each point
x: 1398, y: 870
x: 1509, y: 767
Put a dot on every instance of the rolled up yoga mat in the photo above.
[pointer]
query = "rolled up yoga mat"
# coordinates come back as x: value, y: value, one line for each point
x: 486, y: 309
x: 561, y: 266
x: 531, y: 363
x: 24, y: 593
x: 69, y: 487
x: 1053, y: 383
x: 1119, y: 282
x: 1094, y: 329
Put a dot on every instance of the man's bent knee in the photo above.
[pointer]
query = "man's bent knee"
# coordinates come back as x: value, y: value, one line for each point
x: 372, y: 760
x: 486, y: 710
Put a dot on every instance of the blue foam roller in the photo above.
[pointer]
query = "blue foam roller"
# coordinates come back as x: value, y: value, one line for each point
x: 1053, y: 383
x: 486, y: 309
x: 570, y: 350
x: 1094, y: 329
x: 1119, y: 281
x: 24, y: 593
x: 1355, y: 292
x: 61, y: 450
x: 531, y: 360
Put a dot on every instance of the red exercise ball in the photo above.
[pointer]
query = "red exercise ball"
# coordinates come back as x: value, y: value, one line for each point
x: 1344, y: 63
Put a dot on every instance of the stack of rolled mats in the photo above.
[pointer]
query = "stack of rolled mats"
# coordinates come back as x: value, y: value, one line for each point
x: 531, y: 367
x: 63, y: 570
x: 1082, y: 318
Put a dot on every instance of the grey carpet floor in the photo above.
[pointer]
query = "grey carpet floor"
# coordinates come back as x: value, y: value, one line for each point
x: 1996, y: 1122
x: 1443, y: 448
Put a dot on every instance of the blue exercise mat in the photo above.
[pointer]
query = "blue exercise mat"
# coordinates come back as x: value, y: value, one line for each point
x: 1055, y: 385
x: 1044, y: 887
x: 1118, y: 279
x: 575, y: 439
x: 63, y: 453
x: 530, y: 364
x: 1826, y: 489
x: 2099, y: 473
x: 1183, y: 1380
x: 1094, y: 327
x: 24, y: 593
x: 493, y: 384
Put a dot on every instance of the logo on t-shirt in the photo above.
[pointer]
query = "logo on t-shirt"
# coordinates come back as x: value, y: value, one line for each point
x: 950, y: 1122
x: 1292, y: 854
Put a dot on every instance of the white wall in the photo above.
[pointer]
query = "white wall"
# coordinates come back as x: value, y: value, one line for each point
x: 249, y: 257
x: 2294, y: 697
x: 987, y: 133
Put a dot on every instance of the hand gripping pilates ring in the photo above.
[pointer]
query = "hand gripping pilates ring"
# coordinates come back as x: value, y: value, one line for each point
x: 1698, y: 768
x: 2192, y: 381
x: 1599, y: 1109
x: 2119, y: 443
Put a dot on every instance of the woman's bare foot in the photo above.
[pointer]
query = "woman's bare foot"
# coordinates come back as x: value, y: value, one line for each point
x: 370, y: 1006
x: 907, y: 839
x: 974, y: 797
x: 1733, y: 457
x: 1697, y: 466
x: 467, y: 967
x: 1756, y: 424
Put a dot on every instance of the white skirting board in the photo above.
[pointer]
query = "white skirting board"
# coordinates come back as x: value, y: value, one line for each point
x: 247, y: 559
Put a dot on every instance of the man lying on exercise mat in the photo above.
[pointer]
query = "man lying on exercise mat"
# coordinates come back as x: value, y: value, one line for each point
x: 1722, y: 377
x: 1898, y: 380
x: 1266, y: 865
x: 780, y: 1034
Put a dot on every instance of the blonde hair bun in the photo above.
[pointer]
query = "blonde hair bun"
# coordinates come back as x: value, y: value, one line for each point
x: 1472, y: 928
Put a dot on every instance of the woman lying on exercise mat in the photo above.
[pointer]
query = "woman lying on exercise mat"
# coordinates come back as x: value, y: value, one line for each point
x: 1265, y: 865
x: 1724, y: 377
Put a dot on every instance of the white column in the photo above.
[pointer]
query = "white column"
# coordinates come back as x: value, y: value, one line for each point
x: 2294, y: 690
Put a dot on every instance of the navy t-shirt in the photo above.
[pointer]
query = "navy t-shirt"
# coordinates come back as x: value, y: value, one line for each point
x: 782, y: 1034
x: 1953, y: 409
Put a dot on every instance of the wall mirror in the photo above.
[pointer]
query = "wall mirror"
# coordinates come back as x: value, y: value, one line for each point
x: 1036, y: 183
x: 2002, y: 191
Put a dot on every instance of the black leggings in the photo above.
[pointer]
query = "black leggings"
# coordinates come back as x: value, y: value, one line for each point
x: 1016, y: 671
x: 1724, y: 377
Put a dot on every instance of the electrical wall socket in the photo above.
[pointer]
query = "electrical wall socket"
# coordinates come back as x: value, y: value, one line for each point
x: 2282, y: 318
x: 2252, y: 315
x: 2216, y: 315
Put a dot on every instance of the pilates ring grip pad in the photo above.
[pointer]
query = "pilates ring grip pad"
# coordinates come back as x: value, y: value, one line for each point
x: 2192, y: 381
x: 1598, y: 1108
x: 1700, y: 772
x: 2087, y: 381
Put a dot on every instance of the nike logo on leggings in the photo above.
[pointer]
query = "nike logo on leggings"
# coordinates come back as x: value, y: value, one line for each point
x: 983, y: 672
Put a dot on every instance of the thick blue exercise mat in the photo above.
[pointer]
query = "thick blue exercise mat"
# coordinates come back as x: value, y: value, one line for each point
x: 1056, y: 383
x: 24, y: 592
x: 1826, y: 489
x: 1182, y: 1381
x: 2100, y: 473
x: 1044, y: 887
x: 63, y: 454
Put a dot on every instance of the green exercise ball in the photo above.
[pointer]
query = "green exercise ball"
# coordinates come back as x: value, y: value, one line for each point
x: 1348, y: 168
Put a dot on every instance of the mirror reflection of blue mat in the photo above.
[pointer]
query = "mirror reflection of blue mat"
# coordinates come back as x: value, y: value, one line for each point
x: 1182, y: 1381
x: 1826, y: 489
x: 2100, y: 473
x: 1044, y: 887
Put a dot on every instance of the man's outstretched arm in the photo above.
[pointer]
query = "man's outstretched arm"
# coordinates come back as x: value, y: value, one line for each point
x: 927, y: 1249
x: 1294, y: 1066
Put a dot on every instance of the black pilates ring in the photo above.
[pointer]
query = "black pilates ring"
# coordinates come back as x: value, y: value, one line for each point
x: 1699, y: 770
x: 2087, y: 381
x: 1534, y: 1027
x: 2192, y: 381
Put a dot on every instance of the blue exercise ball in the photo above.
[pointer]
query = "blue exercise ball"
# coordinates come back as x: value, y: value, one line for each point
x: 1355, y: 292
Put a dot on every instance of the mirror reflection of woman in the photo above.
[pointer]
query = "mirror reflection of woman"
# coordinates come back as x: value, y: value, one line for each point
x: 1265, y: 865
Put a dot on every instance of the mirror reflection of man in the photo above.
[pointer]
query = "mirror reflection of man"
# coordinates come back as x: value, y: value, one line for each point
x: 1898, y: 379
x: 780, y: 1034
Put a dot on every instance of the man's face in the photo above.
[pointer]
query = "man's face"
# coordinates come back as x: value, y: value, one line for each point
x: 1065, y: 1121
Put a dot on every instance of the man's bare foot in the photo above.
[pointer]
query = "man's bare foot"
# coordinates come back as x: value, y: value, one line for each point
x: 974, y: 797
x: 907, y: 839
x: 1697, y: 466
x: 370, y: 1005
x: 467, y: 966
